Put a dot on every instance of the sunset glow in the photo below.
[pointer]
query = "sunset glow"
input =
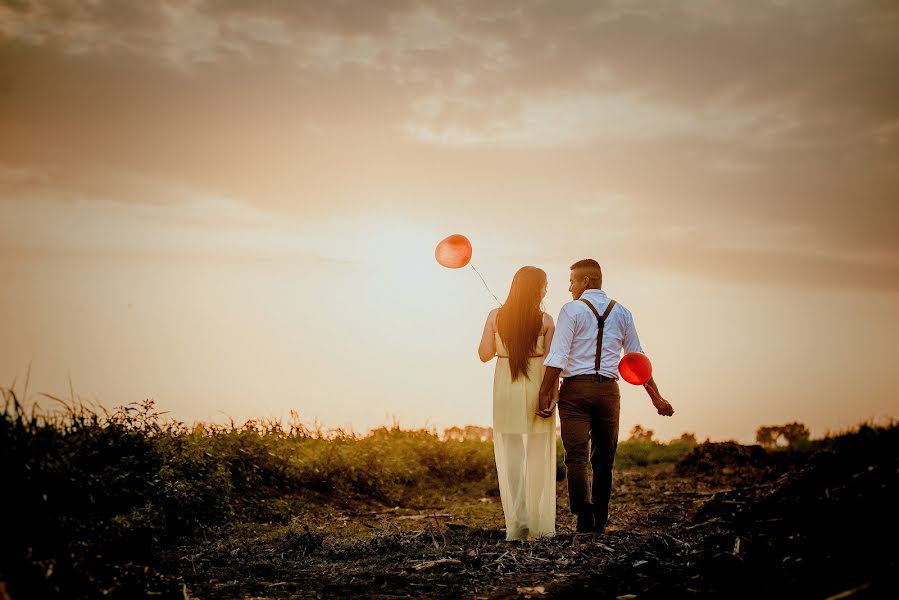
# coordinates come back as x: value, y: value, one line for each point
x: 233, y: 209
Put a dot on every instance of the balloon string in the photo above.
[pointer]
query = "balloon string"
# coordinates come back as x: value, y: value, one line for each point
x: 486, y: 287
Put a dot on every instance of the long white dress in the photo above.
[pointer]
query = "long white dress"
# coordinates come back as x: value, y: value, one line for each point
x: 525, y: 448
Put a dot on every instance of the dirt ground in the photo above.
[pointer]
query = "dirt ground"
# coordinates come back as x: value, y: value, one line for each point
x: 747, y: 530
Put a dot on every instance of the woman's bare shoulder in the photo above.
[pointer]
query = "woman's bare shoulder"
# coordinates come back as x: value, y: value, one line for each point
x: 547, y: 323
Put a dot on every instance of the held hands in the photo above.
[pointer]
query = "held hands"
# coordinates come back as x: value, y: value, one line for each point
x: 547, y: 402
x: 663, y: 407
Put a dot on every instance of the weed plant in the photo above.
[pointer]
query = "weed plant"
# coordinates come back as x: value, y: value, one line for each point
x: 640, y: 453
x: 90, y: 497
x: 83, y: 484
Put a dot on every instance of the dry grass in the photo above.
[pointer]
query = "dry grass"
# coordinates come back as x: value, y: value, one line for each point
x: 125, y: 504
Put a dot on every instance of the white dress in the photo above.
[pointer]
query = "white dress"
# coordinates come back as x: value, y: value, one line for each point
x: 525, y: 448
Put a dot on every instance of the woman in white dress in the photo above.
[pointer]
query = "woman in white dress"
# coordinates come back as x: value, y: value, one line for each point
x: 524, y: 444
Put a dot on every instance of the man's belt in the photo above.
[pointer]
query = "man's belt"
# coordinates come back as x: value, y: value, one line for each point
x: 589, y: 377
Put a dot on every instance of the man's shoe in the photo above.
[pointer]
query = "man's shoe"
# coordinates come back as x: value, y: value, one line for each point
x: 585, y: 523
x: 599, y: 523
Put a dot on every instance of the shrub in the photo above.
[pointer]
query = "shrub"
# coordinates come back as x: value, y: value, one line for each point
x: 642, y: 450
x: 82, y: 484
x: 794, y: 436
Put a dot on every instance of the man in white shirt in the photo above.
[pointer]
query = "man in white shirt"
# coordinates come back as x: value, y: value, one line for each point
x: 591, y: 332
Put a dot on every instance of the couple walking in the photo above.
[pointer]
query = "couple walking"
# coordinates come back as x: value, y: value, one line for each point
x: 532, y: 354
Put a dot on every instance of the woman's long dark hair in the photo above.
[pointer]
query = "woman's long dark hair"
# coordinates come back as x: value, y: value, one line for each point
x: 520, y: 320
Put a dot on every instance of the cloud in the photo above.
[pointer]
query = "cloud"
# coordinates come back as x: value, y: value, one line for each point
x: 214, y: 228
x: 575, y: 118
x: 697, y: 117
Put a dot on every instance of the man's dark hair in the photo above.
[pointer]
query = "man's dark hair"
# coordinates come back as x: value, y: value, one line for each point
x: 591, y: 269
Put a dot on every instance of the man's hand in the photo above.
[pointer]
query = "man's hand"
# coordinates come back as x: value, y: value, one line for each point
x: 549, y: 392
x: 663, y: 407
x: 546, y: 404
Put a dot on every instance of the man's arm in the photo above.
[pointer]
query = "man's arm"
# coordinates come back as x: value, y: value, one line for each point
x: 663, y: 407
x: 555, y: 362
x: 550, y: 381
x: 632, y: 344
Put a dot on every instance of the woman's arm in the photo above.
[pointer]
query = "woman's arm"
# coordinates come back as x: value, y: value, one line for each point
x: 487, y: 347
x: 549, y: 329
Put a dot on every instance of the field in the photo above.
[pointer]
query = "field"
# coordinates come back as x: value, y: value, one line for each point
x: 129, y: 505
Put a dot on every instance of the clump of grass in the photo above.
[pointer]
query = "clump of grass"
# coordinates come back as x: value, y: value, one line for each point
x: 301, y: 539
x: 386, y: 540
x: 636, y: 453
x: 85, y: 482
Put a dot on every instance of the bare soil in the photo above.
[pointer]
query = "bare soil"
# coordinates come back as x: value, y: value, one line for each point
x: 733, y: 527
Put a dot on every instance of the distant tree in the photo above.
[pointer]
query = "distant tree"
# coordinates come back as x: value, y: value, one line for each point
x: 469, y: 432
x: 638, y: 434
x: 766, y: 436
x: 480, y: 434
x: 772, y: 436
x: 795, y: 432
x: 688, y: 438
x: 454, y: 433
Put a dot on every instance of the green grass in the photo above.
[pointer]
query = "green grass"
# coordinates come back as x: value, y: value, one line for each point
x: 83, y: 484
x: 640, y: 453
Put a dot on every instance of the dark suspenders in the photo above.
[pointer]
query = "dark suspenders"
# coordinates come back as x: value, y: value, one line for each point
x: 601, y: 321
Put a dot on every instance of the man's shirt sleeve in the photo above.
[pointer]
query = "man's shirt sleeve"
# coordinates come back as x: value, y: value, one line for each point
x: 561, y: 346
x: 631, y: 341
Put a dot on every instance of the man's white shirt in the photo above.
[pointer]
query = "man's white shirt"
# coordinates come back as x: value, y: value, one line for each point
x: 574, y: 344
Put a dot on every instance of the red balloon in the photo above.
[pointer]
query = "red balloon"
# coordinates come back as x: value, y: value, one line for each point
x: 453, y: 252
x: 635, y: 368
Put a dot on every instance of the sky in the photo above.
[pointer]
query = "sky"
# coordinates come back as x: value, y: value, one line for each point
x: 232, y: 207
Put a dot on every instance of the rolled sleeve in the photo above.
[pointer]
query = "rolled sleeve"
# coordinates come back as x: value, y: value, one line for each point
x: 631, y: 341
x: 561, y: 346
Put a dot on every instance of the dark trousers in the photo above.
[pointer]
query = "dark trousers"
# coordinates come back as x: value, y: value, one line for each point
x: 589, y: 413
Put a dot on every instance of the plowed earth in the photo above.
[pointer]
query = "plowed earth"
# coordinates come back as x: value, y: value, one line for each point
x: 728, y: 521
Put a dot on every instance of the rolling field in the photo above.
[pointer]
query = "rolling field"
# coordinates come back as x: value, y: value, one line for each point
x: 128, y: 505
